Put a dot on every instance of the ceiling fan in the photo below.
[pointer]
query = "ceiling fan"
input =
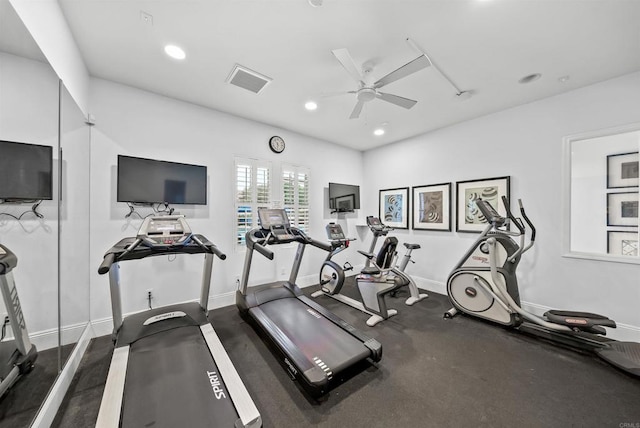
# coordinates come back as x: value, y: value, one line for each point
x: 370, y: 91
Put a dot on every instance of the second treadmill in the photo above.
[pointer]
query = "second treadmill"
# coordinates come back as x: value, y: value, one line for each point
x: 313, y: 344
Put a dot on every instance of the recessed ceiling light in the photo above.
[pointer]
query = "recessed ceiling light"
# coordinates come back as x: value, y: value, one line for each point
x: 310, y: 105
x: 530, y: 78
x: 315, y: 3
x: 563, y: 79
x: 378, y: 132
x: 174, y: 52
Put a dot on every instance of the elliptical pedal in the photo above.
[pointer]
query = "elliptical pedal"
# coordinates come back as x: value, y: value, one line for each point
x: 624, y: 355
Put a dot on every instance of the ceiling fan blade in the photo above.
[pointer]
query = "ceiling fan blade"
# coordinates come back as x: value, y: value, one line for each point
x: 394, y: 99
x: 347, y: 62
x: 356, y: 110
x: 407, y: 69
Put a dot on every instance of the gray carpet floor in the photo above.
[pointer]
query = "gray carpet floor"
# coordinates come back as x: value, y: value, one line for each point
x: 19, y: 406
x: 434, y: 373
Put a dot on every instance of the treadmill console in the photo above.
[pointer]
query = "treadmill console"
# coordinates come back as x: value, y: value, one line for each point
x: 277, y: 223
x: 165, y: 231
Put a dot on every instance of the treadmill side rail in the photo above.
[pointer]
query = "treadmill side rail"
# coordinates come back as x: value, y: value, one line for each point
x: 247, y: 411
x: 111, y: 405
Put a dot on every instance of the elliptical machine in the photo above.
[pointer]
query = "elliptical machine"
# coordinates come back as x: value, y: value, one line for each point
x: 332, y: 277
x: 484, y: 284
x: 17, y: 356
x: 385, y: 260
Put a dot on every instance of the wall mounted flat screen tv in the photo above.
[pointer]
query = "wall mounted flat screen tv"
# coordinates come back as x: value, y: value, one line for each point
x: 149, y: 181
x: 26, y: 171
x: 344, y: 197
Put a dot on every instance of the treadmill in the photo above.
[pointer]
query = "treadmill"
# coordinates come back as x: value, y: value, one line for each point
x: 169, y: 367
x: 17, y: 355
x: 312, y: 344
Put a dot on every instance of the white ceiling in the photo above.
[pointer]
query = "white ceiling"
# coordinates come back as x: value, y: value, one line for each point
x: 482, y: 46
x: 14, y: 37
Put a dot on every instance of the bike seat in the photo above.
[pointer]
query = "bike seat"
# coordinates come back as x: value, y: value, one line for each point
x: 371, y: 270
x: 412, y: 246
x: 584, y: 321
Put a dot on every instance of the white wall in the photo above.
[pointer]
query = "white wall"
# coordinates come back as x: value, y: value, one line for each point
x: 138, y: 123
x: 48, y: 27
x: 526, y: 144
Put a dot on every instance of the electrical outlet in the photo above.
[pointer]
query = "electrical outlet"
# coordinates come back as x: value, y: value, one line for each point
x: 237, y: 281
x: 283, y: 271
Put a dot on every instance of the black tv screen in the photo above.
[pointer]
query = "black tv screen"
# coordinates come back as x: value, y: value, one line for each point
x: 154, y: 181
x: 26, y: 171
x: 344, y: 197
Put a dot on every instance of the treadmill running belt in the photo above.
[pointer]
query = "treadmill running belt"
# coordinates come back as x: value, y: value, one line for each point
x: 315, y: 335
x: 170, y: 383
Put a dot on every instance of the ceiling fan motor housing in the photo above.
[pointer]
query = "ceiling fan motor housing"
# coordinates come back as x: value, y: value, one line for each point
x: 366, y: 94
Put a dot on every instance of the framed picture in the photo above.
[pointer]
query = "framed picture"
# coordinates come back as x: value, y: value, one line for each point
x: 621, y: 243
x: 394, y: 207
x: 622, y: 209
x: 345, y: 203
x: 431, y: 207
x: 622, y: 170
x: 468, y: 216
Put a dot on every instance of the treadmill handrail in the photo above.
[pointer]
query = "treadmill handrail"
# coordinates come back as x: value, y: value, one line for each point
x: 263, y: 250
x: 131, y: 249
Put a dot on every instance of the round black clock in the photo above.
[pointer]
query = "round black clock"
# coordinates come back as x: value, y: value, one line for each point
x: 276, y: 144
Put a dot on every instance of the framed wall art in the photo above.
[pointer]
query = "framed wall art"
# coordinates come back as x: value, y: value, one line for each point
x: 394, y: 207
x: 621, y: 243
x: 468, y: 216
x: 622, y: 170
x: 622, y: 209
x: 431, y: 207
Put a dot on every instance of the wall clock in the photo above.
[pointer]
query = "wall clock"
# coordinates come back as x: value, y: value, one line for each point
x: 276, y: 144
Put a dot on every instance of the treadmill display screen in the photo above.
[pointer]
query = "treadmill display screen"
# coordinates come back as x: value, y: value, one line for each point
x: 270, y: 218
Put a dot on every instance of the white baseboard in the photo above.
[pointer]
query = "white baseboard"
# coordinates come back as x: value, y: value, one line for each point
x: 50, y: 407
x: 430, y: 285
x: 48, y: 339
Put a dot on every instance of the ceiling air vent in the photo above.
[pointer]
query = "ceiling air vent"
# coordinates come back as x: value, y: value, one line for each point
x: 247, y: 79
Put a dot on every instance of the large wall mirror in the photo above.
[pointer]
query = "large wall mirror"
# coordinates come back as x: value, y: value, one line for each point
x: 602, y: 199
x: 50, y: 242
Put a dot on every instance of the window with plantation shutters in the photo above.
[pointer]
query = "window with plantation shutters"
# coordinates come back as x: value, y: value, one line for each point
x: 253, y: 191
x: 295, y: 195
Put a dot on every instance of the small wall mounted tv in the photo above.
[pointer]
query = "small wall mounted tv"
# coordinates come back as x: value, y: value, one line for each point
x: 149, y: 181
x: 344, y: 197
x: 26, y: 171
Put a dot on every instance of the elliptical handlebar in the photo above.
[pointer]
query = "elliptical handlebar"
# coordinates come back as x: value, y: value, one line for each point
x: 526, y: 218
x: 510, y: 215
